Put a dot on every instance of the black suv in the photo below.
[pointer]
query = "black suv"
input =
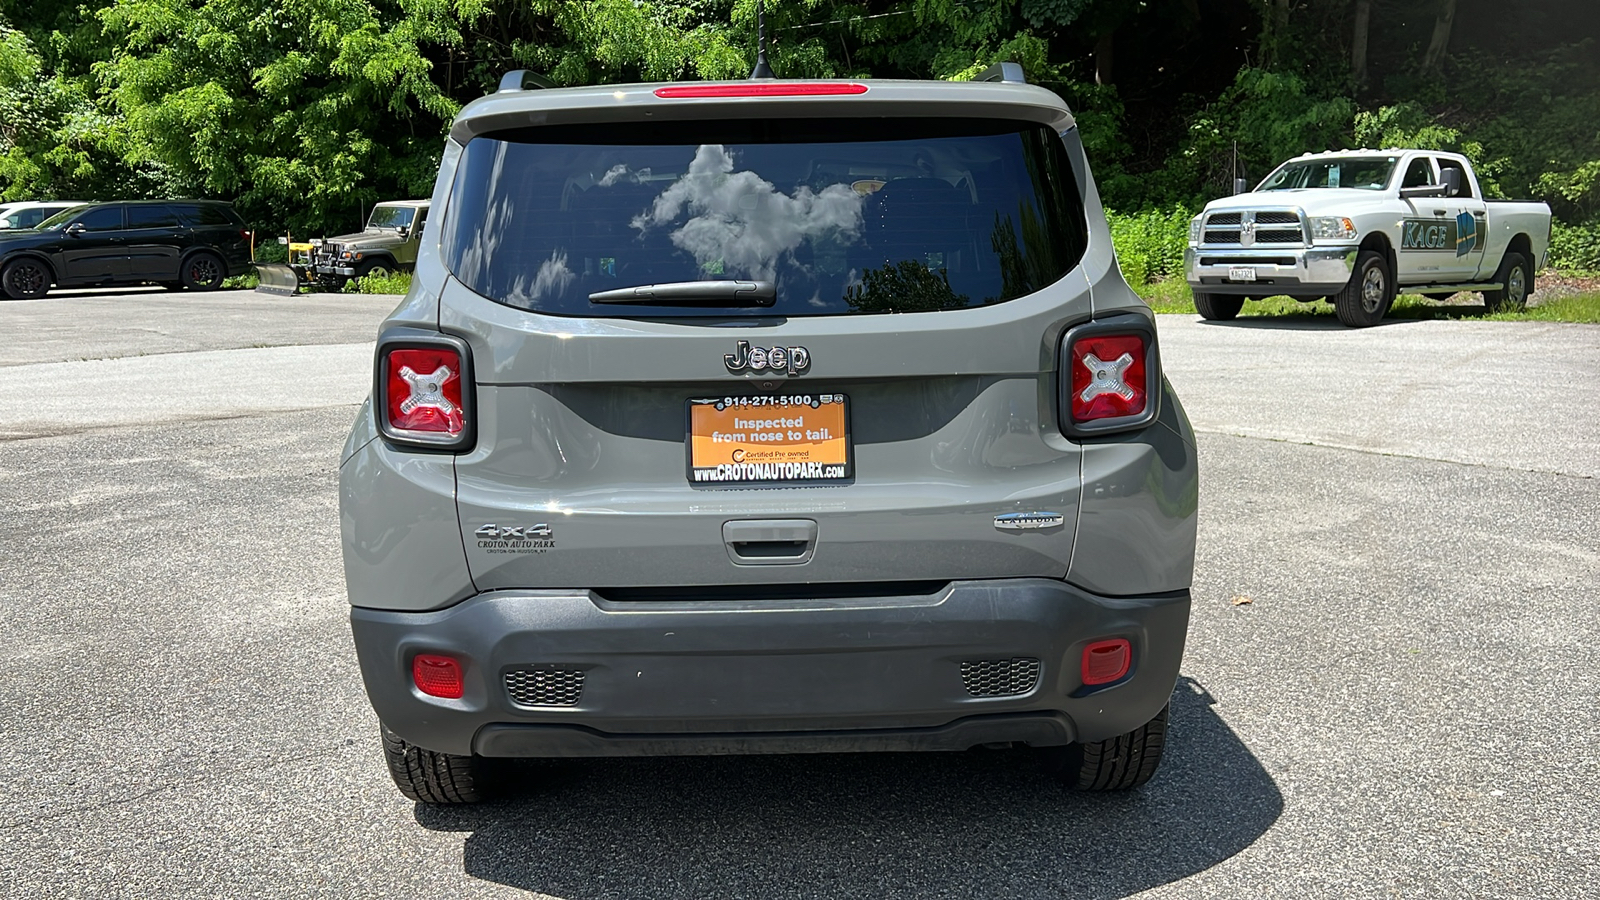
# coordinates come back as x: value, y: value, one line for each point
x: 179, y: 243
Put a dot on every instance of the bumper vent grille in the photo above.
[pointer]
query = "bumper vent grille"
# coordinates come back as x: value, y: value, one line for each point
x: 999, y: 677
x: 544, y: 686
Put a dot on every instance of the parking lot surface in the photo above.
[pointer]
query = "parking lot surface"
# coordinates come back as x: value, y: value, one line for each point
x: 1389, y: 688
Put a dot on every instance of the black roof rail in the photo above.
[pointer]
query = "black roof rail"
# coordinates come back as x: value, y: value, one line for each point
x: 523, y: 80
x: 1008, y: 72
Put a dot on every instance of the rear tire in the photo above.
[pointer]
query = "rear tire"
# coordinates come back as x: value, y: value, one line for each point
x: 429, y: 777
x: 1516, y: 283
x: 1367, y: 297
x: 1117, y: 764
x: 203, y: 272
x: 1217, y: 307
x: 25, y: 279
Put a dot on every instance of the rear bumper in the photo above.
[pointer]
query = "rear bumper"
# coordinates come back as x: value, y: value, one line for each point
x: 751, y: 676
x: 1318, y: 271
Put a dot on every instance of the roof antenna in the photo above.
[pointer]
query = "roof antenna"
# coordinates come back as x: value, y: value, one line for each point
x: 762, y: 70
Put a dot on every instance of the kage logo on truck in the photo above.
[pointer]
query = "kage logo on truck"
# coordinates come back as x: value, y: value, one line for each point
x: 1466, y: 234
x: 1459, y: 234
x: 1427, y: 234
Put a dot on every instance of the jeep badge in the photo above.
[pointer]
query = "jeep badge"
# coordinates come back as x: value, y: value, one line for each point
x: 790, y: 360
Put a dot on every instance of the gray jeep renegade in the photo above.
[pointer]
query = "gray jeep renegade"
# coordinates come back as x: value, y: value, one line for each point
x: 768, y: 417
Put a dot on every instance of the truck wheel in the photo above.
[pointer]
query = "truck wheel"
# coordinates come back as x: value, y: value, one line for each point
x: 24, y: 279
x: 1117, y: 764
x: 203, y: 272
x: 1515, y: 285
x: 1217, y: 307
x: 377, y: 267
x: 430, y: 777
x: 1366, y: 298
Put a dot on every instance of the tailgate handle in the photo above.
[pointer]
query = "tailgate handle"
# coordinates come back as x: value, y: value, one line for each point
x: 770, y: 542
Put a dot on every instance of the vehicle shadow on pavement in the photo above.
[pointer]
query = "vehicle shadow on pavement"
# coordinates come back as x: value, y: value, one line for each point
x: 976, y: 824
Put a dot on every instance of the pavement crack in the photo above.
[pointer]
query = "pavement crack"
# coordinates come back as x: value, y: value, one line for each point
x: 170, y: 785
x: 1329, y: 445
x: 44, y: 434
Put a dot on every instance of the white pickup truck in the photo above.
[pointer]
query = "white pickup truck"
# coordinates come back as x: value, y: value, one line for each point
x: 1360, y: 226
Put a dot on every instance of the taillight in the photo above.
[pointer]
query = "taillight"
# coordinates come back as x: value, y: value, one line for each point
x: 438, y: 676
x: 1110, y: 377
x: 423, y: 395
x: 761, y: 89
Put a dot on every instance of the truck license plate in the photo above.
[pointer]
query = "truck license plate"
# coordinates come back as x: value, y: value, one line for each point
x: 1241, y: 273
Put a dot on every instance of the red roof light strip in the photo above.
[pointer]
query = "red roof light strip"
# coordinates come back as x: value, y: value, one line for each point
x: 760, y: 89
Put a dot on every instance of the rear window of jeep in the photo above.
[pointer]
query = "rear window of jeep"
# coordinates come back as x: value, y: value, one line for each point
x: 841, y: 216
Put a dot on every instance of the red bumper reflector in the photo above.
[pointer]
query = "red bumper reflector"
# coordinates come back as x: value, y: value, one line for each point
x: 761, y: 89
x: 1106, y: 661
x: 438, y: 676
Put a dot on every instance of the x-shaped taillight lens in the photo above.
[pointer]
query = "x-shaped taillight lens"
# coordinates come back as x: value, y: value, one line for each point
x: 424, y: 392
x: 1108, y: 377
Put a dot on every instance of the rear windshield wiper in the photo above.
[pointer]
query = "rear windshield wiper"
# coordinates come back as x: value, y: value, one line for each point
x: 694, y: 293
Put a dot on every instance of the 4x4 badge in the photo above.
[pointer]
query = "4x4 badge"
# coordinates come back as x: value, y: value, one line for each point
x: 793, y: 360
x: 514, y: 532
x: 515, y: 538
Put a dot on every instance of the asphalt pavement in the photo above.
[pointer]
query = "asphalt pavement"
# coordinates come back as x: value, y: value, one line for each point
x: 1389, y: 687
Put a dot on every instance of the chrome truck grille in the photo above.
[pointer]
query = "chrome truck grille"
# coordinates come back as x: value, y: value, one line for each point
x: 1253, y: 228
x: 999, y: 677
x: 544, y: 686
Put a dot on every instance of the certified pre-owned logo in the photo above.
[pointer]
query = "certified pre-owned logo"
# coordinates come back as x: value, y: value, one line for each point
x: 515, y: 538
x: 789, y: 360
x: 1028, y: 521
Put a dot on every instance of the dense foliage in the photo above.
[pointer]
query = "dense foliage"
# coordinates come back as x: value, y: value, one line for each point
x: 305, y: 112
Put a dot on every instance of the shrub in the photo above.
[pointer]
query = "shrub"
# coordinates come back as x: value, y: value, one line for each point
x: 1150, y: 244
x: 1575, y: 246
x: 270, y: 251
x: 394, y: 283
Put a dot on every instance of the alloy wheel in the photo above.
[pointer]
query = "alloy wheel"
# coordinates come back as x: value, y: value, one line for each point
x: 1372, y: 290
x: 1517, y: 287
x: 26, y: 279
x: 203, y: 270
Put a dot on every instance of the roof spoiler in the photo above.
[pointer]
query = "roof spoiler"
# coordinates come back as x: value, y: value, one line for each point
x: 1008, y: 72
x: 524, y: 80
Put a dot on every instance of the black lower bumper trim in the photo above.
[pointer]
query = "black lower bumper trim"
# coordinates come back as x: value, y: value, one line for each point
x: 1034, y: 729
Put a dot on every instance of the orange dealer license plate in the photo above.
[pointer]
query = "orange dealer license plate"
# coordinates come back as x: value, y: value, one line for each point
x: 790, y: 439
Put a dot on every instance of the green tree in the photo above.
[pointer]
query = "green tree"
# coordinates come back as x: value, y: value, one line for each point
x: 905, y: 286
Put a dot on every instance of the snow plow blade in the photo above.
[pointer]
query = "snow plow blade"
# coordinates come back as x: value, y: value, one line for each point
x: 277, y: 278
